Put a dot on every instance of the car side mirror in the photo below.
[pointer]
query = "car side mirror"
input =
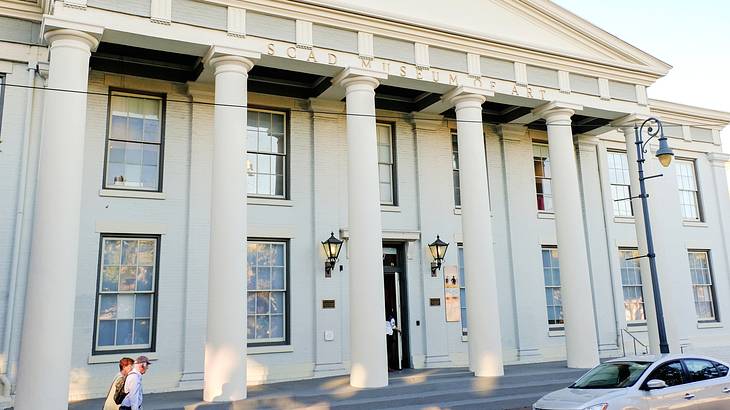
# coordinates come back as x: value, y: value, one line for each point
x: 656, y: 384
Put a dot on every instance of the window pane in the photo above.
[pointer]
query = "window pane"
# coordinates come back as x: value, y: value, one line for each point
x: 551, y: 273
x: 262, y: 327
x: 126, y: 318
x: 277, y: 326
x: 699, y: 370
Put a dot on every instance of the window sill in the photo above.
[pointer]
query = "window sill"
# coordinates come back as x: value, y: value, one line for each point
x: 709, y: 325
x: 695, y: 224
x: 270, y: 201
x: 114, y: 357
x: 389, y: 208
x: 556, y: 332
x: 624, y: 219
x: 545, y: 215
x: 270, y: 349
x: 119, y: 193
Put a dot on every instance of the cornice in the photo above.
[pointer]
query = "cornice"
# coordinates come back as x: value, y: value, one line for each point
x: 314, y: 11
x: 688, y: 114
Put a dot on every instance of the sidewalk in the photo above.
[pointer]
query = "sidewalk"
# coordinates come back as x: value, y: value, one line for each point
x: 453, y: 388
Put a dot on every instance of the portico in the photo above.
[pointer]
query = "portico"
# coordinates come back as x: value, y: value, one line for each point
x: 282, y: 125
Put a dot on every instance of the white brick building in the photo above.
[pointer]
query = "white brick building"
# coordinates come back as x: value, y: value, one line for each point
x: 123, y: 130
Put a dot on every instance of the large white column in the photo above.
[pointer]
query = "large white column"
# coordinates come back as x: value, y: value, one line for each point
x: 482, y: 304
x: 225, y: 348
x: 578, y: 311
x: 45, y: 351
x: 368, y: 353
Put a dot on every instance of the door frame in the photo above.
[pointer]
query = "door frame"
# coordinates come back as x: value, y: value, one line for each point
x: 402, y: 278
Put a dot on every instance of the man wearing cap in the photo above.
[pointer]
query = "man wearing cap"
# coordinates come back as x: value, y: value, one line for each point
x: 133, y: 385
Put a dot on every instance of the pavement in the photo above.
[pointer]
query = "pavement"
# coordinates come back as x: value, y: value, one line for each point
x: 449, y: 388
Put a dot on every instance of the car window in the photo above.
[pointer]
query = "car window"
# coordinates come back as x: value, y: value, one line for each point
x: 698, y: 370
x: 612, y: 375
x: 670, y: 373
x: 721, y: 369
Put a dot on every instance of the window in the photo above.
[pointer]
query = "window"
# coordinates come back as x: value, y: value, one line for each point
x: 126, y: 293
x: 699, y: 370
x: 267, y: 151
x: 671, y: 373
x: 541, y: 160
x: 721, y: 369
x: 267, y: 292
x: 462, y: 291
x: 618, y: 176
x: 455, y: 168
x: 551, y: 271
x: 386, y: 164
x: 631, y: 283
x: 689, y: 199
x: 699, y: 267
x: 134, y: 142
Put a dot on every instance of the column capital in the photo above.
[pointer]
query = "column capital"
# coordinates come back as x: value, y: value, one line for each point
x: 512, y: 132
x: 556, y: 111
x: 329, y: 109
x: 719, y: 159
x: 58, y: 29
x: 363, y: 76
x: 627, y: 122
x: 229, y: 57
x: 200, y: 92
x: 467, y: 96
x: 427, y: 122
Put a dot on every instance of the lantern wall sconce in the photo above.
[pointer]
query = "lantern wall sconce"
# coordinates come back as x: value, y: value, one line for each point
x: 332, y: 247
x: 438, y: 251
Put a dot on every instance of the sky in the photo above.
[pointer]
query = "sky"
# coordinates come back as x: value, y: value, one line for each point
x: 692, y: 36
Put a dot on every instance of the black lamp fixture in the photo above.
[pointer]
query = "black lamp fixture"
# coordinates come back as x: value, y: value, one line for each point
x: 332, y: 248
x: 438, y: 251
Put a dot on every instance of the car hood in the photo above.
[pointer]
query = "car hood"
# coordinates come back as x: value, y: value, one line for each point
x: 576, y: 398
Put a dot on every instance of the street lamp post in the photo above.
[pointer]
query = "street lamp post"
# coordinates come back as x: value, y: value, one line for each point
x: 664, y: 154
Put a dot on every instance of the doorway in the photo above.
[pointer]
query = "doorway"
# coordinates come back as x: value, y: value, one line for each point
x: 396, y: 306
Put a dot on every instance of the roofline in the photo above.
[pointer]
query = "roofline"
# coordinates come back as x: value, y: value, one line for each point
x: 596, y: 32
x: 668, y: 108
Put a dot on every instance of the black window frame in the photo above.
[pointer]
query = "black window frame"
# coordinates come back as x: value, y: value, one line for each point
x: 394, y: 166
x: 163, y: 127
x: 156, y: 294
x: 287, y: 293
x: 287, y: 156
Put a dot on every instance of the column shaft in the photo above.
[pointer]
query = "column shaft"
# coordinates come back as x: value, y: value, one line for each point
x: 45, y: 361
x: 578, y: 310
x: 368, y: 354
x: 225, y: 350
x: 482, y: 305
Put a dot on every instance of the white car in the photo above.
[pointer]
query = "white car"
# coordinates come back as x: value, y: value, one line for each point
x: 647, y: 382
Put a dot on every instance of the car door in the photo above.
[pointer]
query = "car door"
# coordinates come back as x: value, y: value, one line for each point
x: 706, y: 375
x: 676, y: 395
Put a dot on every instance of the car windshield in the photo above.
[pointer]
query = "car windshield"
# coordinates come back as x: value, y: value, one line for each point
x: 613, y: 375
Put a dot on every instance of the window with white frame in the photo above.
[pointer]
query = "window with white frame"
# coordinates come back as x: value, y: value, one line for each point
x: 386, y: 164
x: 267, y: 152
x: 631, y: 284
x: 462, y: 291
x: 618, y: 176
x: 455, y: 168
x: 134, y: 143
x: 543, y: 187
x: 689, y: 200
x: 702, y: 285
x: 267, y: 292
x: 126, y: 293
x: 553, y: 299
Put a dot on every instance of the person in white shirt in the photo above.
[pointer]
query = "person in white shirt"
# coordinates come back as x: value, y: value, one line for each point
x: 133, y: 385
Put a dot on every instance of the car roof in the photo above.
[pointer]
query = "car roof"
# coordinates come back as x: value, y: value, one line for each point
x: 653, y: 358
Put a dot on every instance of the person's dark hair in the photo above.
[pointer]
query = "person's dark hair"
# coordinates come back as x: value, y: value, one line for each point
x: 126, y: 361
